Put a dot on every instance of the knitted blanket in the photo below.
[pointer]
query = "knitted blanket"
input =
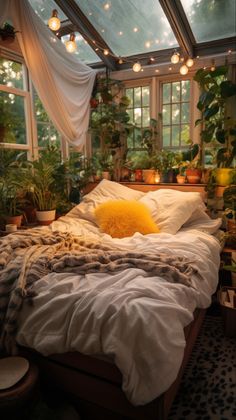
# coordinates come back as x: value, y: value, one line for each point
x: 27, y: 256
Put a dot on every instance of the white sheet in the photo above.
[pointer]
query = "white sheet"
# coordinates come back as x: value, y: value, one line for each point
x: 135, y: 320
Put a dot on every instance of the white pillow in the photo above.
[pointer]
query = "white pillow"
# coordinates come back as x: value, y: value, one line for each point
x: 201, y: 221
x: 105, y: 190
x: 170, y: 209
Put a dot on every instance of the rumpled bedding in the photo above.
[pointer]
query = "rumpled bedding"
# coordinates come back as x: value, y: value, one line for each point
x: 134, y: 320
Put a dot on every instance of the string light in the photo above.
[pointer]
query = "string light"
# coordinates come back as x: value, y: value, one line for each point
x: 175, y: 57
x: 137, y: 67
x: 213, y: 67
x: 189, y: 62
x: 71, y: 44
x: 54, y: 22
x: 183, y: 69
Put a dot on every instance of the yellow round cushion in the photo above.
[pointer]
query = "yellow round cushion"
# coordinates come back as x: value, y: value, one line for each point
x: 122, y: 218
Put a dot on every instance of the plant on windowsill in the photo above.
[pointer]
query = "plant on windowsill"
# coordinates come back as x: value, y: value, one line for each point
x: 218, y: 125
x: 109, y: 121
x: 7, y: 32
x: 12, y: 197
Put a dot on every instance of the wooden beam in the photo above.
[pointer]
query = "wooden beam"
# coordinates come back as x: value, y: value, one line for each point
x: 87, y: 30
x: 179, y: 24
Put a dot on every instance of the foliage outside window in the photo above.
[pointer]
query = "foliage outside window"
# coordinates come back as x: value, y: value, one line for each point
x: 12, y: 103
x: 46, y: 132
x: 139, y: 113
x: 175, y: 114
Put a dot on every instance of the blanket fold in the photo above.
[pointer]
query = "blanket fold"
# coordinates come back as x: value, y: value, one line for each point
x: 27, y: 256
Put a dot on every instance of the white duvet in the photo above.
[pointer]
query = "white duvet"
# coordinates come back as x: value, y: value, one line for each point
x: 135, y: 320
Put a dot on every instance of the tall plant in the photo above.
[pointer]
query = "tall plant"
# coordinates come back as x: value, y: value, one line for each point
x: 218, y: 125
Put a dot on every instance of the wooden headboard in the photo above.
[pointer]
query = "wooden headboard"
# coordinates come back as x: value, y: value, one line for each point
x: 153, y: 187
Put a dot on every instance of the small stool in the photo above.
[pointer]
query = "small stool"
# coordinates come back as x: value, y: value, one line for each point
x: 15, y: 398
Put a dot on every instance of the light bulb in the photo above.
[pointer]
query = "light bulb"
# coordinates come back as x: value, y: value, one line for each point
x: 137, y: 67
x: 71, y: 44
x: 106, y: 52
x: 189, y: 62
x: 175, y: 58
x: 54, y: 22
x: 183, y: 69
x: 120, y: 60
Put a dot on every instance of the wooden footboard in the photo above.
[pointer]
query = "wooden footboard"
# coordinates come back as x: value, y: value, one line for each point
x: 98, y: 382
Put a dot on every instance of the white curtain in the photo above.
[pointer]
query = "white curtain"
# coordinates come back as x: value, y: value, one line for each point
x: 63, y: 83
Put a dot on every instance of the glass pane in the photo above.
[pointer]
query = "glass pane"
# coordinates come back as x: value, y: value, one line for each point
x: 175, y: 113
x: 185, y: 85
x: 166, y: 136
x: 166, y: 93
x: 131, y: 115
x: 185, y: 112
x: 176, y: 92
x: 12, y: 118
x: 44, y: 9
x: 166, y: 114
x: 43, y: 135
x: 211, y: 20
x: 146, y: 117
x: 137, y: 96
x: 175, y: 135
x: 84, y: 52
x: 145, y: 96
x: 137, y: 116
x: 138, y: 138
x: 39, y: 110
x: 185, y: 134
x: 11, y: 73
x: 129, y: 93
x: 130, y: 27
x: 130, y: 143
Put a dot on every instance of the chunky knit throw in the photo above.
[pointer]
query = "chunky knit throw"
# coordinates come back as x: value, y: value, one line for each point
x: 27, y: 256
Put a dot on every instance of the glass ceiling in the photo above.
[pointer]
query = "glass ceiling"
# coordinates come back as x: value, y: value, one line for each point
x: 130, y: 27
x: 84, y: 52
x: 44, y: 9
x: 211, y: 19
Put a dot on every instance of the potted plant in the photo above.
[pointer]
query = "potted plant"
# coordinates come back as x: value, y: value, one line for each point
x: 109, y: 121
x: 12, y: 199
x: 102, y: 162
x: 40, y: 182
x: 218, y: 125
x: 229, y: 197
x: 164, y: 162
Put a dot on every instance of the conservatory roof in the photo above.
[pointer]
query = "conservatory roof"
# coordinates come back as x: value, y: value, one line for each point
x: 143, y: 30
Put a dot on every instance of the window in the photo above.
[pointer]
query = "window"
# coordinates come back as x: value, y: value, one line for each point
x: 175, y: 114
x: 46, y: 132
x: 14, y: 105
x: 139, y: 113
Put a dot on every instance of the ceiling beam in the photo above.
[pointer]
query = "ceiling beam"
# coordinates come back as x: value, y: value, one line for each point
x: 87, y: 30
x: 179, y: 24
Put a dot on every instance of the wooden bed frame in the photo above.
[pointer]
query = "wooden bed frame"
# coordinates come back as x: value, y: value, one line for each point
x: 95, y: 383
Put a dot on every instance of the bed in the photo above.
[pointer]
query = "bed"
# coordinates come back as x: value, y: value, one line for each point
x: 119, y: 340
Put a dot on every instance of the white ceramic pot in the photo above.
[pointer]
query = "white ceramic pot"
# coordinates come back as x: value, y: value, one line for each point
x: 180, y: 179
x: 45, y: 217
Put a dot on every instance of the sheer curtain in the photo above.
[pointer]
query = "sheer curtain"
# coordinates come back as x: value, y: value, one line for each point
x: 63, y: 83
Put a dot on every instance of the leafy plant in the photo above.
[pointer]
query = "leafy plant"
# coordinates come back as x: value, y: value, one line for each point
x: 217, y: 124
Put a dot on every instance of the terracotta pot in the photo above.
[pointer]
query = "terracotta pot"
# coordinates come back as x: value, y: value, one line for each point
x: 106, y: 175
x: 194, y: 175
x: 149, y: 176
x: 180, y: 179
x: 14, y: 220
x: 138, y: 175
x: 45, y: 217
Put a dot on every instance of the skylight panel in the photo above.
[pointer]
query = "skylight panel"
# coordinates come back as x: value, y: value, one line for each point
x: 130, y: 27
x: 211, y: 19
x: 44, y: 9
x: 84, y: 52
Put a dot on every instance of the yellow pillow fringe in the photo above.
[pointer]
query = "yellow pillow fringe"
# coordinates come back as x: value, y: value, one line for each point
x: 122, y: 218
